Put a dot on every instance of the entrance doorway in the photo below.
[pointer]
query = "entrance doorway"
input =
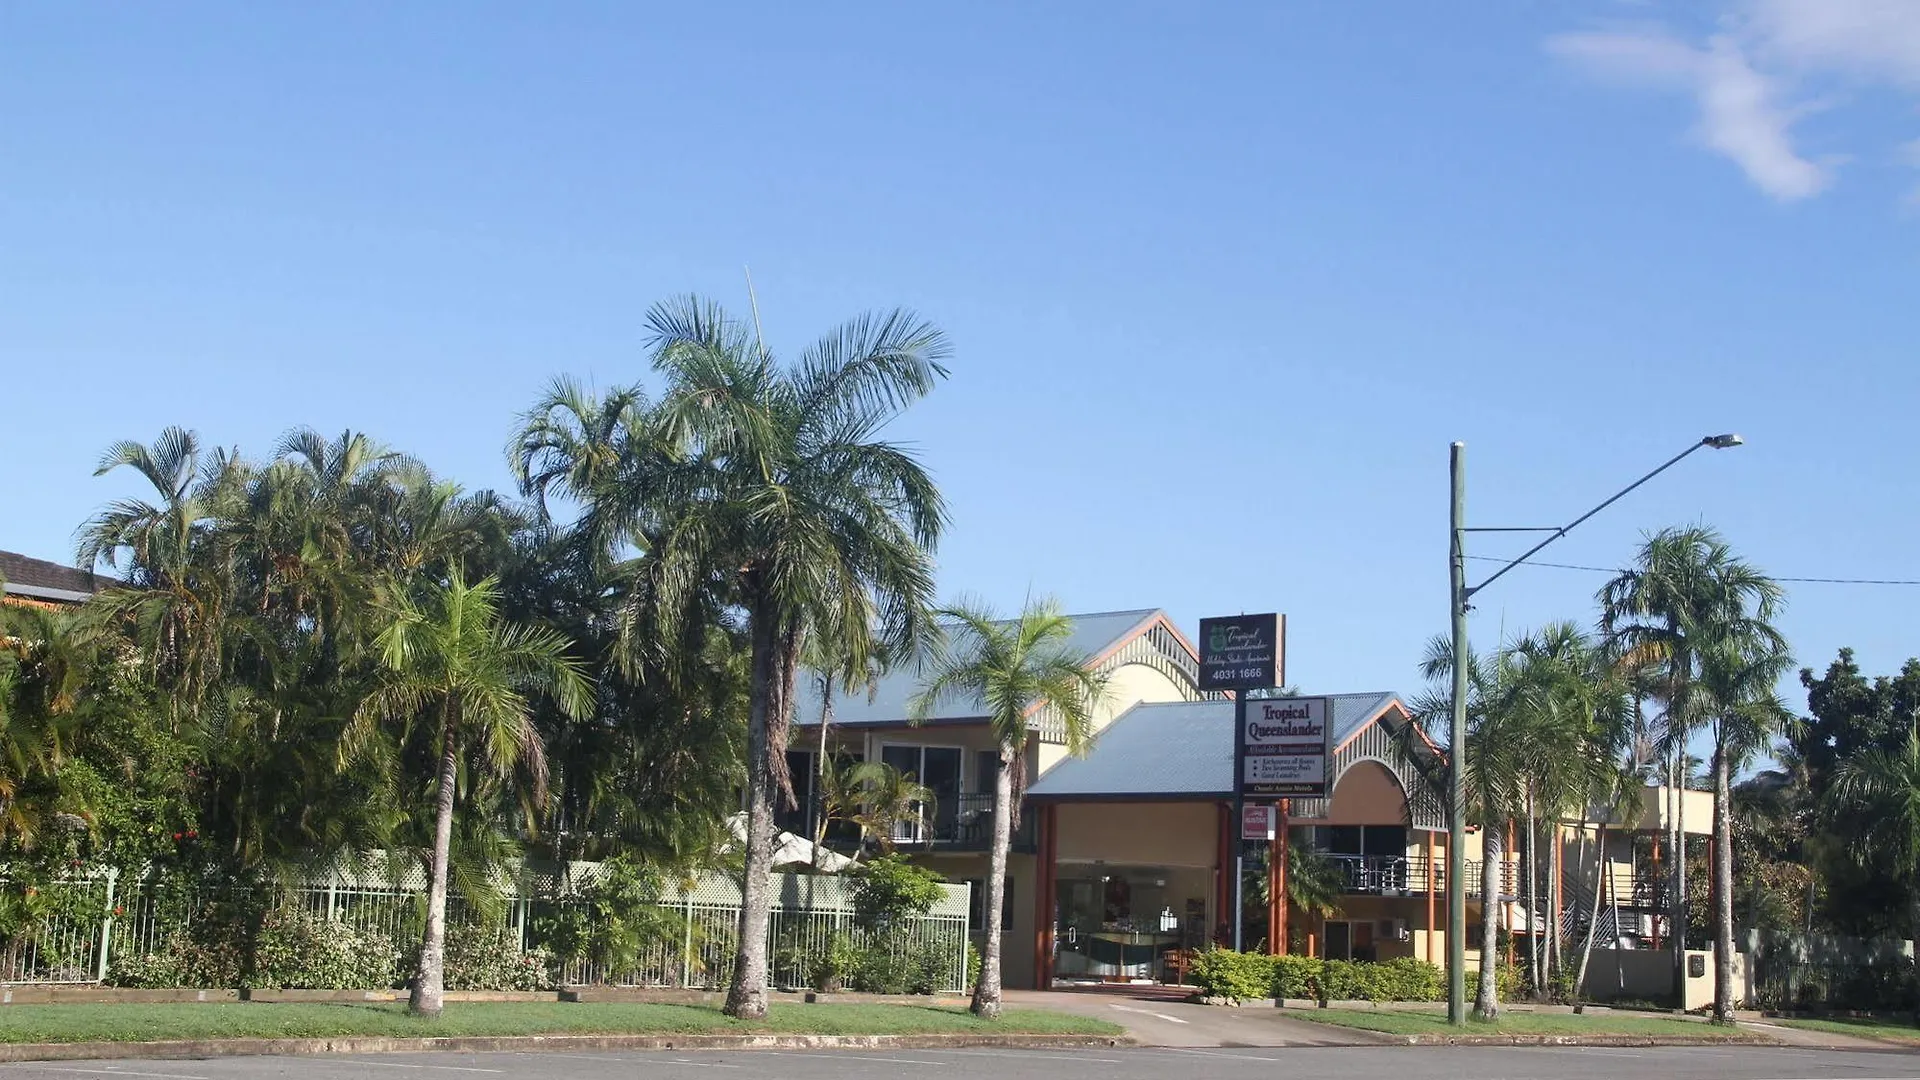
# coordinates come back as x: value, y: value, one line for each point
x: 1123, y: 923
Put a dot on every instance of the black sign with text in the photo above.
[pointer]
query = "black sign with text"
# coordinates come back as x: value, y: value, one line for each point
x: 1241, y: 652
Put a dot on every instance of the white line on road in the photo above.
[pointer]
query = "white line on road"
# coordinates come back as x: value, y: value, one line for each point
x: 701, y: 1064
x: 1052, y: 1055
x: 402, y: 1065
x: 1149, y: 1012
x: 1214, y: 1053
x: 856, y: 1056
x: 113, y: 1072
x: 110, y: 1071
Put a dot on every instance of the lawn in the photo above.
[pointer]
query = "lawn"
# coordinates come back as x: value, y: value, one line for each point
x: 1865, y: 1027
x: 190, y: 1020
x: 1517, y: 1023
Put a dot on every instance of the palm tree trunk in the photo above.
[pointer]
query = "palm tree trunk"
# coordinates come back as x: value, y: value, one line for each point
x: 429, y: 984
x: 986, y: 993
x: 819, y: 808
x: 747, y: 995
x: 1677, y: 847
x: 1722, y: 886
x: 1601, y: 880
x: 1487, y: 1004
x: 1529, y: 895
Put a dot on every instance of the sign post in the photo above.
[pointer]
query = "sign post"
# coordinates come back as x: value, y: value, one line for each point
x: 1281, y: 749
x: 1241, y: 653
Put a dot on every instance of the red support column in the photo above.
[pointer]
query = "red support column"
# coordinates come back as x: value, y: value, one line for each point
x: 1045, y: 852
x: 1277, y: 885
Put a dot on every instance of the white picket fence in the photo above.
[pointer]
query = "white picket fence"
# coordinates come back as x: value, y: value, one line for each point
x: 122, y: 917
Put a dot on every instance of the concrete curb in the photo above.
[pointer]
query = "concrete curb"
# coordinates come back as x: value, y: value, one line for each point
x: 378, y: 1044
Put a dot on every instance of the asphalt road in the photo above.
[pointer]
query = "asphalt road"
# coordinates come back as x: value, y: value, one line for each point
x: 1353, y: 1063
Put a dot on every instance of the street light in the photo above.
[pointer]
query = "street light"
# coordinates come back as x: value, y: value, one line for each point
x: 1460, y: 594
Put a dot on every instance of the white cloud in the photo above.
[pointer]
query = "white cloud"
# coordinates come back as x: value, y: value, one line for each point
x: 1744, y: 79
x: 1740, y: 113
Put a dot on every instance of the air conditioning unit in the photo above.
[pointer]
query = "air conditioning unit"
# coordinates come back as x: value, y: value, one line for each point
x: 1394, y: 930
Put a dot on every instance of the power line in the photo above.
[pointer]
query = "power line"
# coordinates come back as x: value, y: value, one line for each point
x: 1796, y: 580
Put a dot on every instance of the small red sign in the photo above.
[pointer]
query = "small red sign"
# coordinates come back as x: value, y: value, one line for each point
x: 1256, y: 822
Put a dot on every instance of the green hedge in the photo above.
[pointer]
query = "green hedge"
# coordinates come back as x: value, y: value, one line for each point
x: 1233, y: 975
x: 1245, y: 976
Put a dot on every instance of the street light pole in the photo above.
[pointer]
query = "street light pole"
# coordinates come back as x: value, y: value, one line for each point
x: 1461, y: 595
x: 1456, y: 751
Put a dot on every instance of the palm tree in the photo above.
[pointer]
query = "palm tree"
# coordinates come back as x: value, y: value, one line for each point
x: 43, y: 667
x: 877, y: 798
x: 1576, y: 717
x: 449, y: 661
x: 1013, y: 670
x: 1882, y: 785
x: 1736, y: 682
x: 1497, y: 760
x: 781, y: 494
x: 1686, y: 604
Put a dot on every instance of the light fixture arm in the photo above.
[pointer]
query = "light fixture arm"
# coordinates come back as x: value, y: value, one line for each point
x: 1718, y: 442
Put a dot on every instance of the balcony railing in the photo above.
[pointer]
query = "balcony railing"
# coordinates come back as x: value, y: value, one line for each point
x: 962, y: 822
x: 1397, y: 875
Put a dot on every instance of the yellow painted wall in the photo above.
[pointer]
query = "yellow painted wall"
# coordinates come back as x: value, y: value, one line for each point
x: 1139, y: 834
x: 1127, y: 685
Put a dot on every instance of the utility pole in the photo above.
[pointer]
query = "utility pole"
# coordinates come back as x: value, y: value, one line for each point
x: 1457, y: 752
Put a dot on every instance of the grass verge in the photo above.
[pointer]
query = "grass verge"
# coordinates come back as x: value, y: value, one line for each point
x: 1899, y: 1031
x: 1518, y: 1023
x: 190, y: 1020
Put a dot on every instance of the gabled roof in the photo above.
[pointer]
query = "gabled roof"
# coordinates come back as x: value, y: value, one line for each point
x: 1094, y: 635
x: 39, y: 579
x: 1179, y: 750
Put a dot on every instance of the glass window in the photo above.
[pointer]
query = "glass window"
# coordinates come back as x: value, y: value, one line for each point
x: 1343, y: 839
x: 1386, y: 840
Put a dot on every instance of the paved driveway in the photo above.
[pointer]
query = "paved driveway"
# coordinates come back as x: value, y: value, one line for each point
x: 1156, y: 1021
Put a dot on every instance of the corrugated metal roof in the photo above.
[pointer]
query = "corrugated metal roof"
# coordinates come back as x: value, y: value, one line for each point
x: 1180, y: 749
x: 1092, y: 635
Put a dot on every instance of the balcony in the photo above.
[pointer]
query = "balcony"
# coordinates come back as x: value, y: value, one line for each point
x: 959, y: 823
x: 1398, y: 875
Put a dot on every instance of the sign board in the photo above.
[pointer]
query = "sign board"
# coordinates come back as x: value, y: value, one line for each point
x: 1242, y: 652
x: 1283, y: 747
x: 1256, y: 821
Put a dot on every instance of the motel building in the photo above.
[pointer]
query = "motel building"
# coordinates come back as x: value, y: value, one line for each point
x: 1122, y: 862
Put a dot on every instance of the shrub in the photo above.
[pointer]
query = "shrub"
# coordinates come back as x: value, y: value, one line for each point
x: 1506, y: 984
x: 1343, y: 980
x: 1233, y: 975
x: 1297, y: 976
x: 892, y: 890
x: 481, y: 958
x: 1406, y: 979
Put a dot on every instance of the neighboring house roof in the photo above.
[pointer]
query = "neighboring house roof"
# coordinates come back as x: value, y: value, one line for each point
x: 1179, y: 749
x: 1094, y: 636
x: 38, y: 579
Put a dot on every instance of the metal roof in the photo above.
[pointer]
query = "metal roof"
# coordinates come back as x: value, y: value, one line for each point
x: 1093, y: 634
x: 1179, y: 749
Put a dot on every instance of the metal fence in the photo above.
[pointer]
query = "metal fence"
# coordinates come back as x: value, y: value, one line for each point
x: 1821, y: 971
x: 107, y: 917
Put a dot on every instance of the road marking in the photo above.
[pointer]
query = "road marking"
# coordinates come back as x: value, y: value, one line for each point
x: 701, y: 1064
x: 1149, y: 1012
x: 855, y: 1055
x: 1053, y: 1055
x: 1214, y: 1053
x: 113, y: 1072
x: 402, y: 1065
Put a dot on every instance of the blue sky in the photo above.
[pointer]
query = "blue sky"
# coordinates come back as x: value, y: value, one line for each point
x: 1224, y: 281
